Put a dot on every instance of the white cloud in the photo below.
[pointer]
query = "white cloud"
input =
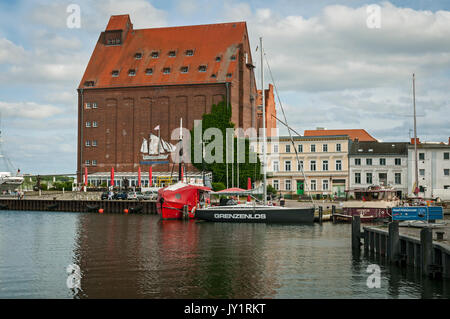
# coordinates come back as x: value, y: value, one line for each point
x: 28, y: 110
x: 10, y: 52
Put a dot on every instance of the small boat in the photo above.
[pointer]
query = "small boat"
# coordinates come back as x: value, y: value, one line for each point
x: 372, y: 203
x: 172, y: 200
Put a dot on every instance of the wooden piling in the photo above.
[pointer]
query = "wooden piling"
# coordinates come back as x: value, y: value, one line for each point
x: 320, y: 214
x: 393, y: 251
x: 356, y: 232
x: 426, y: 248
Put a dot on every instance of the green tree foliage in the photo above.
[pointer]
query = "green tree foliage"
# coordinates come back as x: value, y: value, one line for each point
x: 271, y: 190
x: 220, y: 117
x: 218, y: 186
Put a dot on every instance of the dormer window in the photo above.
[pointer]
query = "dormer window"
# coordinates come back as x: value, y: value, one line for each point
x: 166, y: 70
x: 229, y: 75
x: 149, y: 71
x: 155, y: 54
x: 89, y: 83
x: 218, y: 58
x: 138, y: 56
x: 184, y: 69
x: 131, y: 72
x: 189, y: 52
x: 233, y: 57
x: 172, y: 54
x: 115, y: 73
x: 213, y: 75
x: 202, y: 68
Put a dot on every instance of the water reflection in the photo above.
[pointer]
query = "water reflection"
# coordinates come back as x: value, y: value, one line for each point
x: 133, y: 256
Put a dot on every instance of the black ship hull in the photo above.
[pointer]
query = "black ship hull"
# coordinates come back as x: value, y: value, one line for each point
x: 256, y: 214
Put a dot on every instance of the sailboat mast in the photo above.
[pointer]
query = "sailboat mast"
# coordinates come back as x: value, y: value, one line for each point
x: 264, y: 125
x: 181, y: 152
x: 416, y: 171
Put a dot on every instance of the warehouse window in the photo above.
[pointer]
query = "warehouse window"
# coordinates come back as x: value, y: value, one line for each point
x: 138, y: 56
x: 184, y: 69
x: 131, y: 72
x: 88, y: 124
x: 94, y: 124
x: 166, y: 70
x: 115, y: 73
x: 88, y: 143
x: 88, y: 162
x: 172, y: 54
x: 94, y: 162
x: 189, y: 52
x: 94, y: 105
x: 149, y: 71
x: 155, y: 54
x: 89, y: 83
x: 94, y: 143
x: 202, y: 68
x: 88, y: 105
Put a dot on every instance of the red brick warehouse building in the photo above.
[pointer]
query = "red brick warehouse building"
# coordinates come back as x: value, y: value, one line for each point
x: 139, y: 79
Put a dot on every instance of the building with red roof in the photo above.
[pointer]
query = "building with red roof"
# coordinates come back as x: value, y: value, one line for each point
x: 354, y: 134
x: 137, y: 80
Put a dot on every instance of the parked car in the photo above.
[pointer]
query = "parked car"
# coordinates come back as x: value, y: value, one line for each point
x: 121, y: 195
x: 104, y: 195
x: 132, y: 195
x: 148, y: 195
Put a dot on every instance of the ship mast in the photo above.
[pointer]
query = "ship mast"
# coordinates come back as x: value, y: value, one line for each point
x: 416, y: 171
x: 264, y: 126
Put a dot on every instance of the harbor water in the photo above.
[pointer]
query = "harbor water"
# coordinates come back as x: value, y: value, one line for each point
x: 140, y: 256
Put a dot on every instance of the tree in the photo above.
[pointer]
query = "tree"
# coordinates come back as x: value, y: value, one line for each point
x: 220, y: 118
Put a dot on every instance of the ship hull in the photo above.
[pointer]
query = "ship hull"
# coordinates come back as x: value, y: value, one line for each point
x: 367, y: 214
x: 256, y: 215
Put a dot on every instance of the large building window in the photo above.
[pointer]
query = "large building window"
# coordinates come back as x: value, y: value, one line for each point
x: 287, y: 166
x: 382, y: 161
x: 357, y: 178
x: 276, y: 184
x: 313, y: 185
x: 325, y: 184
x: 357, y: 161
x: 398, y: 178
x: 368, y: 161
x: 398, y: 161
x: 300, y: 148
x: 338, y: 165
x: 446, y: 172
x: 275, y: 148
x: 325, y: 165
x: 325, y: 148
x: 421, y: 172
x: 276, y: 166
x: 446, y: 155
x: 422, y: 156
x: 288, y: 148
x: 313, y: 148
x: 338, y: 147
x: 300, y: 165
x: 312, y: 165
x: 287, y: 184
x: 368, y: 178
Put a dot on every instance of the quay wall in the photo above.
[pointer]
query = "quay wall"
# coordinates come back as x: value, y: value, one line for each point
x: 80, y: 206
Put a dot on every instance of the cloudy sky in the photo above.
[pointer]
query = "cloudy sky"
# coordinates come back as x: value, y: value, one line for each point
x: 332, y: 68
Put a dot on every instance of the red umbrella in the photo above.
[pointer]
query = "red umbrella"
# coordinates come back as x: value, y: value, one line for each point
x: 249, y: 186
x: 85, y: 176
x: 150, y: 177
x: 112, y: 176
x: 139, y: 176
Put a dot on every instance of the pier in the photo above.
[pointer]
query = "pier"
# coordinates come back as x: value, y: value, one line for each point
x: 426, y: 249
x: 80, y: 206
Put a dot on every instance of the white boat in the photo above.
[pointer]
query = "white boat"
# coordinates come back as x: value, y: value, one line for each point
x: 9, y: 183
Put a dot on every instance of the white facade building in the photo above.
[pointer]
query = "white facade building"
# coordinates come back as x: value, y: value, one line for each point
x: 433, y: 170
x: 379, y: 164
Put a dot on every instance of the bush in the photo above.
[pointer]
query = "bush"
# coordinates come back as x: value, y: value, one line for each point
x: 218, y: 186
x: 44, y: 186
x: 271, y: 190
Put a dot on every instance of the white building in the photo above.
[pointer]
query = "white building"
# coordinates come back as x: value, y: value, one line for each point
x: 433, y: 170
x: 379, y: 164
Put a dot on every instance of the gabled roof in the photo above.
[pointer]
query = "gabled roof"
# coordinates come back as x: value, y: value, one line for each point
x: 378, y: 148
x: 353, y: 134
x: 207, y: 42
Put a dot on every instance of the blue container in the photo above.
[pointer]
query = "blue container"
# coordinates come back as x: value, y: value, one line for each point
x: 417, y: 213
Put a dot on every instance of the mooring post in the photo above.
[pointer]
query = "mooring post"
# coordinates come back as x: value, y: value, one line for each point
x: 185, y: 211
x: 356, y: 232
x: 333, y: 211
x: 393, y: 249
x: 320, y: 214
x: 366, y: 240
x: 426, y: 249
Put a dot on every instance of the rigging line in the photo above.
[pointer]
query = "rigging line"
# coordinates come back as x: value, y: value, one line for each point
x: 290, y: 135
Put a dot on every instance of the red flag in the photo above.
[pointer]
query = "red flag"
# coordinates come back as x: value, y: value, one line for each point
x: 112, y: 176
x: 85, y: 176
x: 249, y: 186
x: 150, y: 177
x: 139, y: 176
